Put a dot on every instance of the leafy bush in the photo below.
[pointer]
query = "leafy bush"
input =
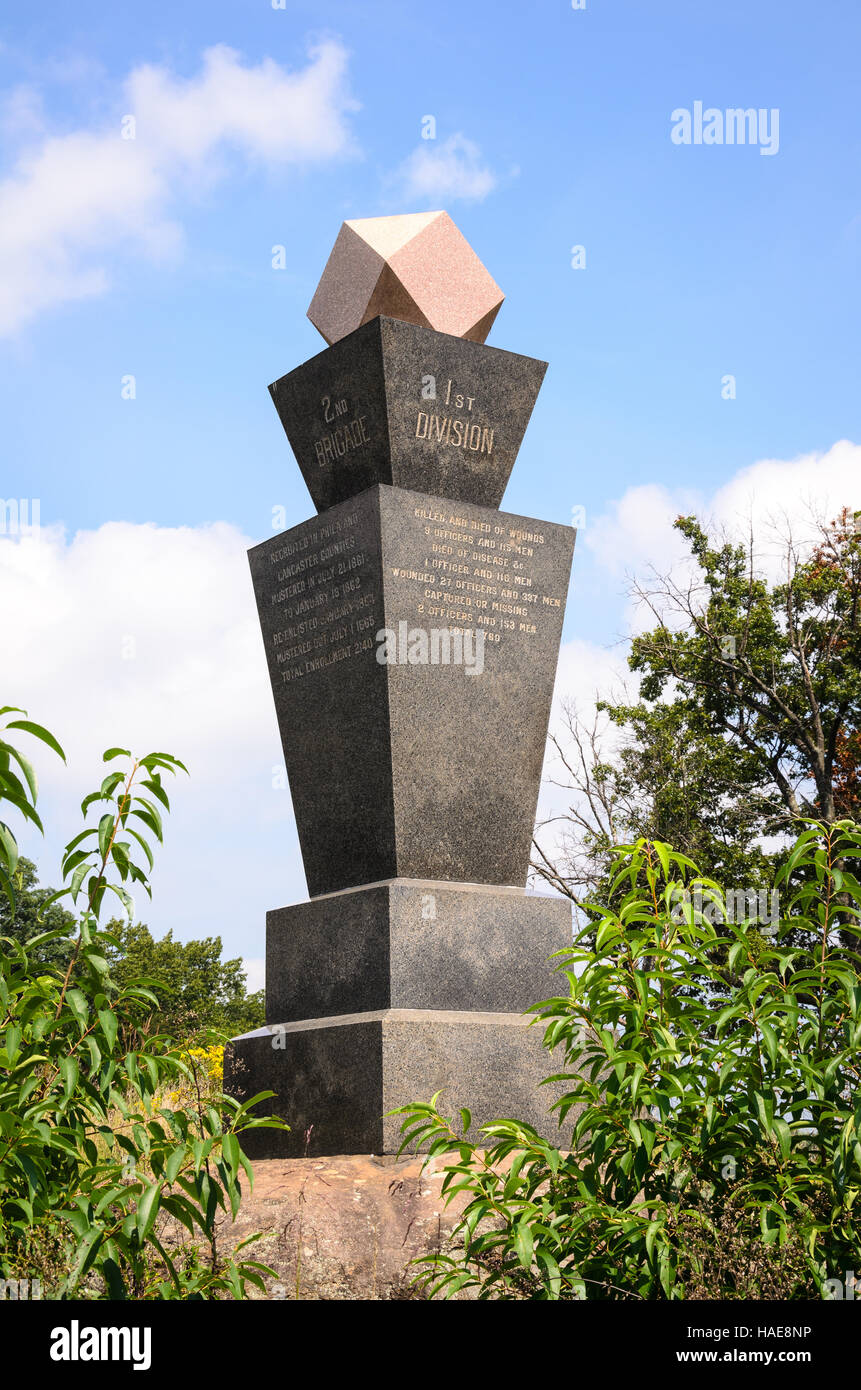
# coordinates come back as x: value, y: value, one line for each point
x: 715, y: 1144
x: 96, y: 1168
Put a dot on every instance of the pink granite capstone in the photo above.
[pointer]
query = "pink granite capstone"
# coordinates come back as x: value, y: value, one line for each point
x: 416, y: 267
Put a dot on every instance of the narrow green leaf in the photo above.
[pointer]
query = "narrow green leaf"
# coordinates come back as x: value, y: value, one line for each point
x: 38, y: 732
x: 106, y: 828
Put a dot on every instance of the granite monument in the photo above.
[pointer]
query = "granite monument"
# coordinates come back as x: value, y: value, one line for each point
x: 411, y: 632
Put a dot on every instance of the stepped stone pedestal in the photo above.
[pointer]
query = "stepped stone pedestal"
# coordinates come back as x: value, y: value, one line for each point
x: 411, y: 632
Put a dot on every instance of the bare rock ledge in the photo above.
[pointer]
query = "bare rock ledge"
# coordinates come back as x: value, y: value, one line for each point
x: 342, y: 1228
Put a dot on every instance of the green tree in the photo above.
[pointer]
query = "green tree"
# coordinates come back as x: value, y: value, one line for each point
x: 196, y: 989
x: 667, y: 776
x: 748, y: 713
x: 35, y: 912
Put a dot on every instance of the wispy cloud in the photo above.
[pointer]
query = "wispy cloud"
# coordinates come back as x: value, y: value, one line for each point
x: 453, y: 169
x: 73, y: 201
x: 776, y: 496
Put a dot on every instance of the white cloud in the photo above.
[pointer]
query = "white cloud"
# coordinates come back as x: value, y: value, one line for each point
x: 776, y: 495
x: 446, y: 171
x: 586, y: 670
x: 638, y: 529
x: 74, y: 200
x: 22, y: 116
x: 781, y: 494
x: 263, y: 111
x: 586, y: 673
x: 147, y: 637
x: 143, y: 633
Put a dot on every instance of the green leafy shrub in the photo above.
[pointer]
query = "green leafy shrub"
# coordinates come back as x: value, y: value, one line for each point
x: 98, y: 1172
x: 715, y: 1134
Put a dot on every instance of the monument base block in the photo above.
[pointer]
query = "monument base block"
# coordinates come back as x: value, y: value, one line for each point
x: 385, y: 994
x: 414, y: 944
x: 336, y: 1078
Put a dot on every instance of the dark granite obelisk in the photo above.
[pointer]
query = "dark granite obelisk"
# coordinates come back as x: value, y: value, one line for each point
x: 412, y: 632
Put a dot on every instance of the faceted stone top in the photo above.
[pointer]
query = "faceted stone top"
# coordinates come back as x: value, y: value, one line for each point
x: 417, y: 267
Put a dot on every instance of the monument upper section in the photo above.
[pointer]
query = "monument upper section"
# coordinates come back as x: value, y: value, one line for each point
x: 417, y: 267
x: 407, y: 393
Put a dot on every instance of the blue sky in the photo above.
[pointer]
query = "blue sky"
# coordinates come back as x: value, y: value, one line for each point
x: 553, y: 130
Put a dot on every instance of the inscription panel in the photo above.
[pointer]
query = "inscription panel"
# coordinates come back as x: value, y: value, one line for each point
x: 487, y: 572
x: 457, y: 411
x: 333, y: 409
x: 324, y: 613
x: 422, y: 760
x: 319, y: 596
x: 479, y: 735
x: 399, y: 404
